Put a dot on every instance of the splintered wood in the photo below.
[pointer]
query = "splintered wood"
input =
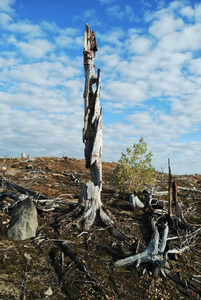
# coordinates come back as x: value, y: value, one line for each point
x: 92, y: 134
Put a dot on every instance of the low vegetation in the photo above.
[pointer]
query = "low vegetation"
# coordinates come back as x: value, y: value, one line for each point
x: 134, y: 171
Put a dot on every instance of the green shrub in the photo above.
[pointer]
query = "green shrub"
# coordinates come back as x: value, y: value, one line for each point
x: 134, y: 170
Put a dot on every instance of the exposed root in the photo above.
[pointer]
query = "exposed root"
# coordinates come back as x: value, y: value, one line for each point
x: 153, y: 253
x: 85, y: 219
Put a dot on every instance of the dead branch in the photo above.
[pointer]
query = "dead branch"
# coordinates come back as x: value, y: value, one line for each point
x: 21, y: 189
x: 59, y: 271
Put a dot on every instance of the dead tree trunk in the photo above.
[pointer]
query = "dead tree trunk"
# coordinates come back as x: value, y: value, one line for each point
x: 90, y: 205
x: 170, y: 191
x: 92, y: 134
x: 176, y: 220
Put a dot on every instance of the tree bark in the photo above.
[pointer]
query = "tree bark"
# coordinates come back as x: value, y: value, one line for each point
x: 92, y: 134
x: 170, y: 191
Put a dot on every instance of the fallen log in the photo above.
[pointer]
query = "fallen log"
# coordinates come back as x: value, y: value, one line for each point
x: 21, y: 189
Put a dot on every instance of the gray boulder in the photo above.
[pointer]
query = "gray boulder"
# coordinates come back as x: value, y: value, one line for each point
x: 24, y: 221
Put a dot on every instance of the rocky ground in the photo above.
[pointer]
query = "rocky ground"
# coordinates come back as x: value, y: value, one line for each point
x: 39, y: 268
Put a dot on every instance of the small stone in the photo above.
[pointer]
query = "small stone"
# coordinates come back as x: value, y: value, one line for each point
x: 27, y: 256
x: 49, y: 292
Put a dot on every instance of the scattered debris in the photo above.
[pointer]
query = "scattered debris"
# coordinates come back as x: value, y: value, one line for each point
x: 97, y: 250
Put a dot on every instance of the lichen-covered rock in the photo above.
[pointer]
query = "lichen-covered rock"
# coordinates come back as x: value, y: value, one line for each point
x: 24, y: 221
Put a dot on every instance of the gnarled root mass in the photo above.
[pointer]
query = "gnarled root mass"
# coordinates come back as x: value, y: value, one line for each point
x: 87, y: 211
x: 155, y: 253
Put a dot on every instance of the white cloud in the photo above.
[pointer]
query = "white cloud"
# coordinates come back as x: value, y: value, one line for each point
x: 179, y: 41
x: 112, y: 37
x: 198, y: 13
x: 21, y: 27
x: 30, y: 133
x: 128, y: 93
x: 195, y: 66
x: 188, y: 12
x: 64, y: 40
x: 166, y: 25
x: 5, y: 19
x: 6, y: 5
x: 138, y: 44
x: 37, y: 48
x: 124, y: 135
x: 25, y: 27
x: 119, y: 13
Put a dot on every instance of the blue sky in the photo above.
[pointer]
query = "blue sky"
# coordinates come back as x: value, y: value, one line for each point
x: 149, y: 53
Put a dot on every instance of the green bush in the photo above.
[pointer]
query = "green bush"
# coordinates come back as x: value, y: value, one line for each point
x: 134, y: 170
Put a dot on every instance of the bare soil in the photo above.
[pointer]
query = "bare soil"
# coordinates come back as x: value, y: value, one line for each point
x: 38, y: 268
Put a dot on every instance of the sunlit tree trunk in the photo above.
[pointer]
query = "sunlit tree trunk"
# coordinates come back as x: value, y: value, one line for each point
x: 92, y: 133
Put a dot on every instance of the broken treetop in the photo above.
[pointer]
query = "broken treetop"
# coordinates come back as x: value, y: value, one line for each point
x: 90, y: 45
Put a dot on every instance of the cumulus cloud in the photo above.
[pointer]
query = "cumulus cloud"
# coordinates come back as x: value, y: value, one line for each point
x: 5, y: 19
x: 150, y: 83
x: 139, y: 45
x: 198, y: 13
x: 166, y: 25
x: 188, y: 12
x: 6, y: 6
x: 35, y: 49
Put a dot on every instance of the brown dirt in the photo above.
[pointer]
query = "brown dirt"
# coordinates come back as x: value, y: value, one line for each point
x: 27, y: 270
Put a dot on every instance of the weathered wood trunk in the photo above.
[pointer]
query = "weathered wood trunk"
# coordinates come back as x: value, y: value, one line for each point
x: 92, y: 133
x: 154, y: 253
x: 177, y: 219
x: 170, y: 191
